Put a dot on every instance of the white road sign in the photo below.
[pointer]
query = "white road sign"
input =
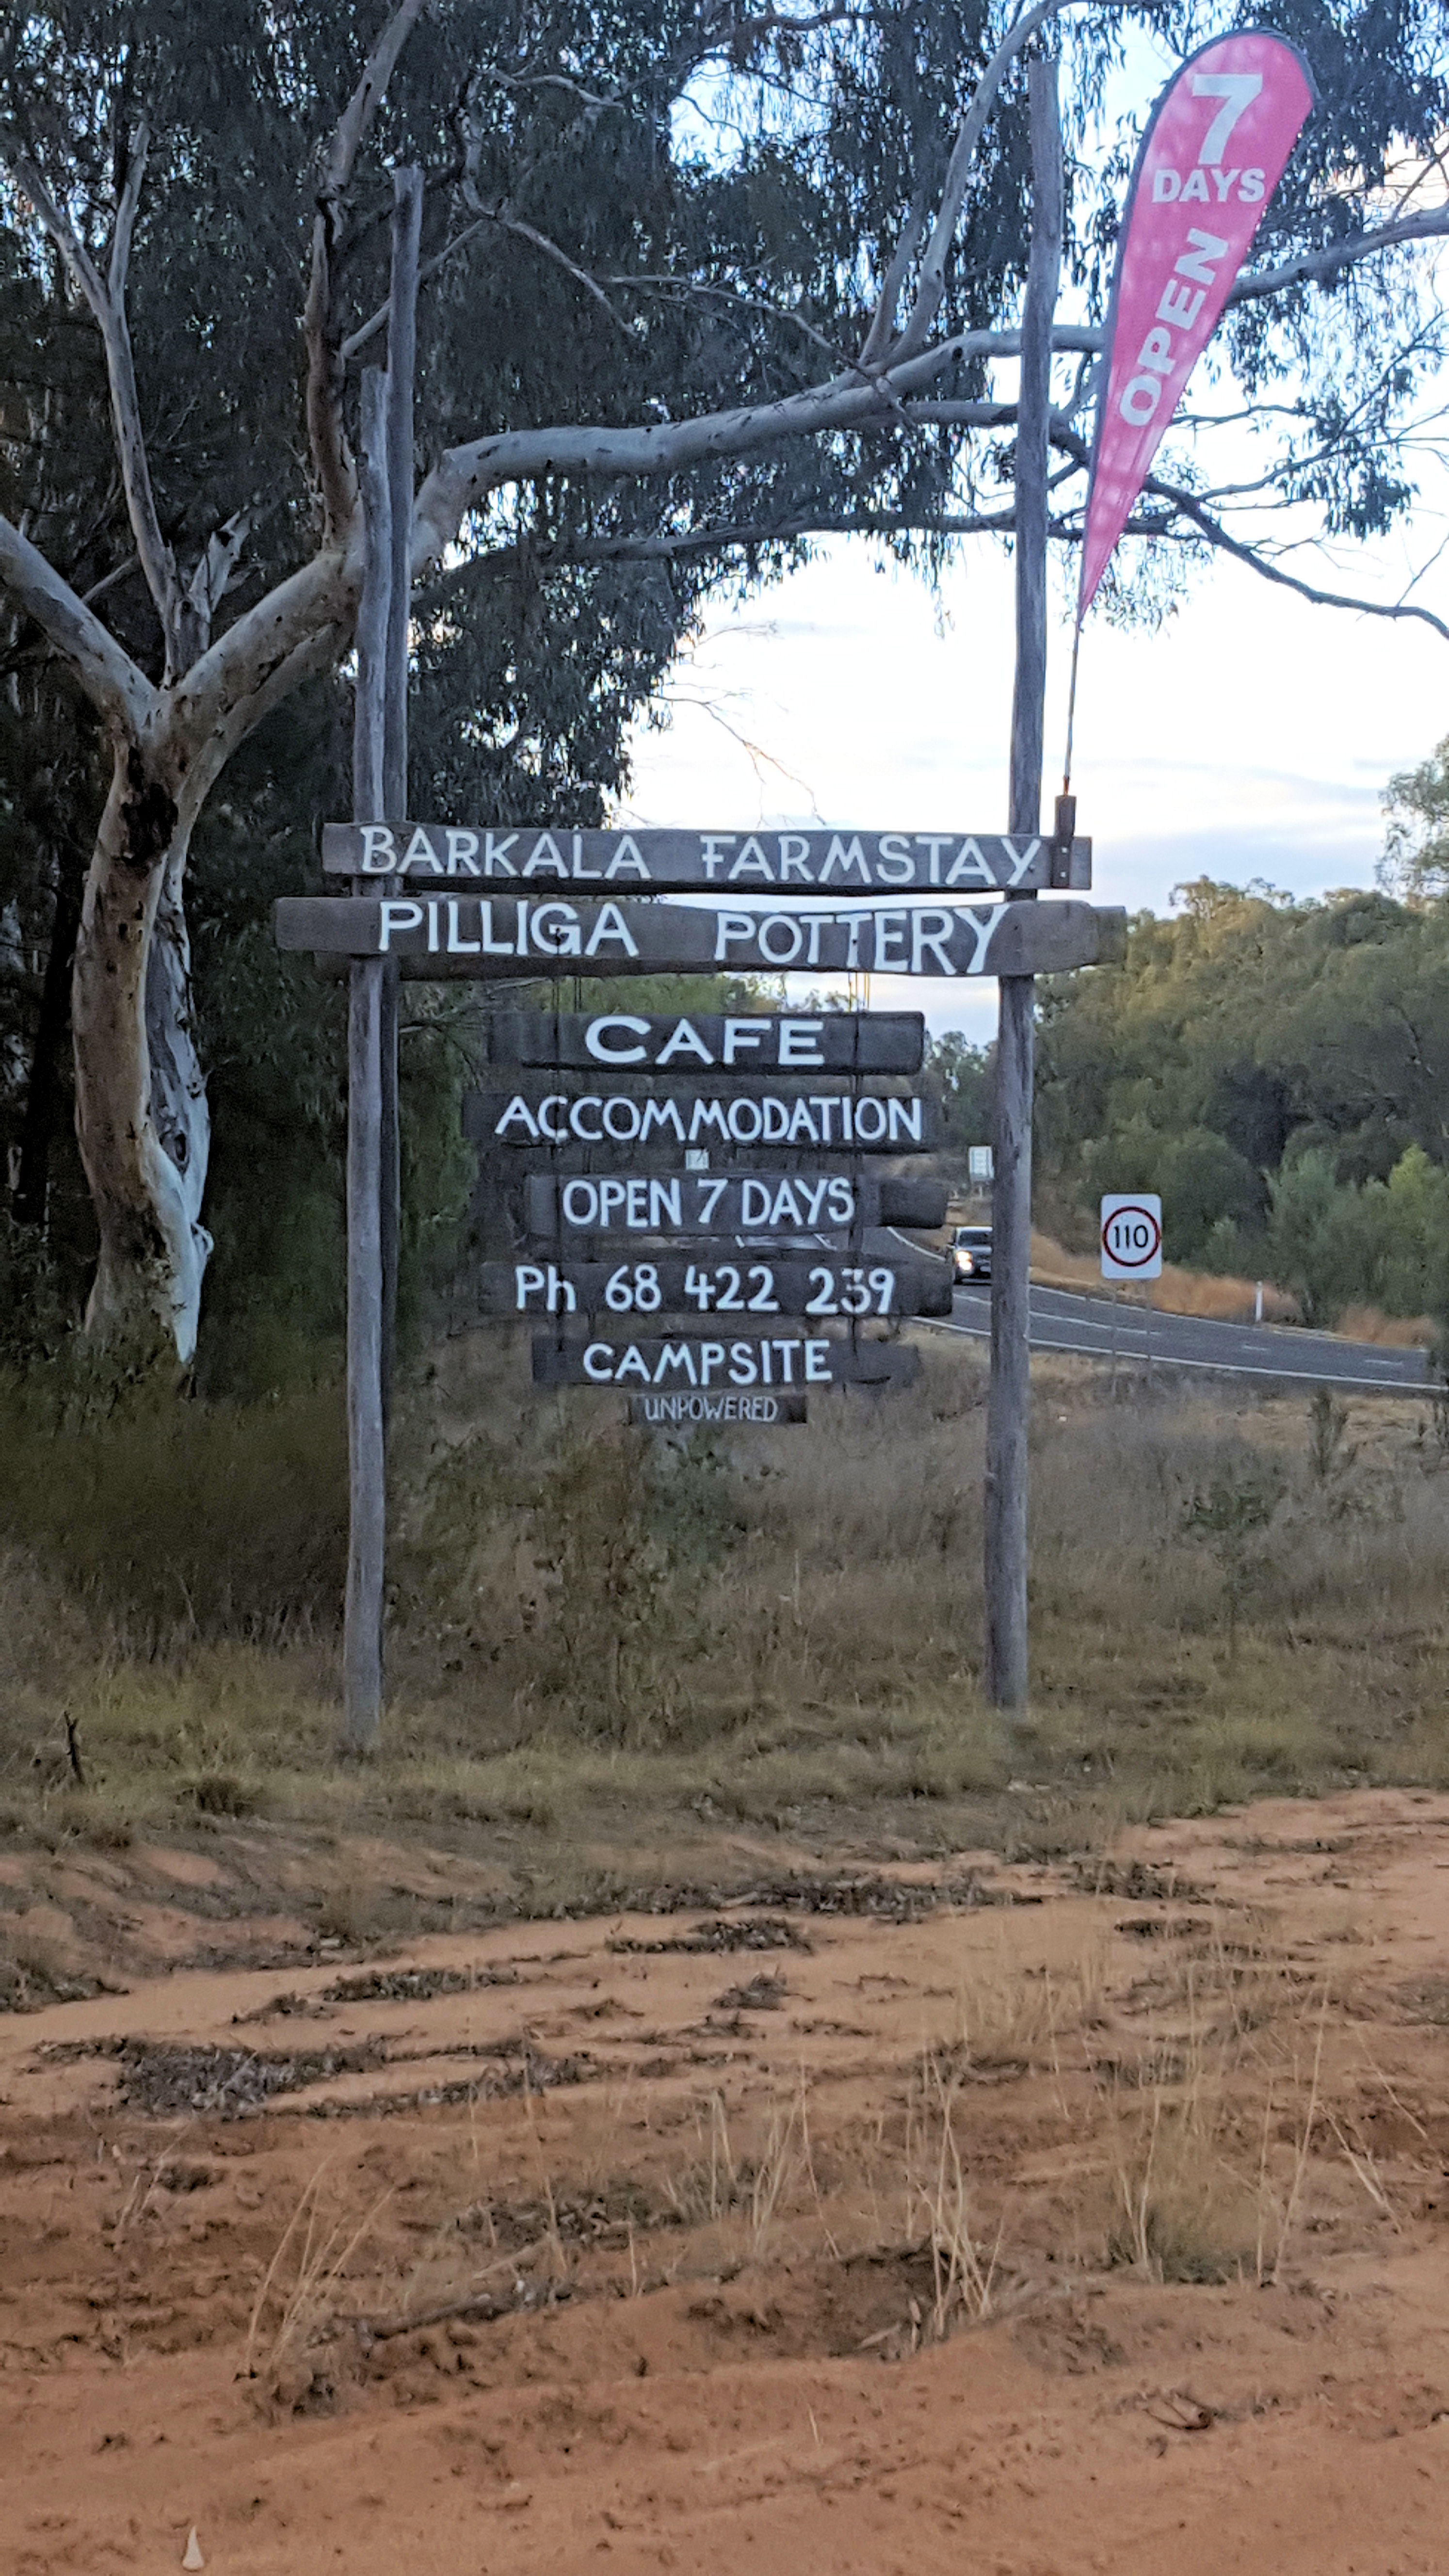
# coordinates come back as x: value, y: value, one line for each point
x: 1131, y: 1235
x: 978, y: 1162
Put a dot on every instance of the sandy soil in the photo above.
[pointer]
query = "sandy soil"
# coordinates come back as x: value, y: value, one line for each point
x: 1018, y: 2221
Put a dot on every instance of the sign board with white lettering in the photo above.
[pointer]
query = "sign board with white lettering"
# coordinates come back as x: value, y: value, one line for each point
x: 468, y: 935
x: 963, y: 863
x: 1131, y: 1235
x: 778, y: 1042
x: 749, y: 1203
x: 717, y: 1280
x: 714, y: 1410
x: 740, y: 1366
x: 860, y: 1122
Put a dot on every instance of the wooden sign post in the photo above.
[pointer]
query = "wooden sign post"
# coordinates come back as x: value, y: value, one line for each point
x: 1009, y: 1399
x: 443, y: 937
x: 379, y: 787
x: 533, y: 857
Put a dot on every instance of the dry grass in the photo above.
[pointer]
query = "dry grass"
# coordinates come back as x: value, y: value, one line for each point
x: 1178, y: 1292
x: 1223, y: 1300
x: 590, y: 1627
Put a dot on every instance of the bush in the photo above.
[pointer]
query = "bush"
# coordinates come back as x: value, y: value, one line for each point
x: 180, y: 1519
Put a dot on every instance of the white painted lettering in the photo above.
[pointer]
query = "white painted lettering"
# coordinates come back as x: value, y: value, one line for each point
x: 518, y: 1114
x: 1179, y: 306
x: 1201, y: 249
x: 462, y: 854
x: 546, y: 858
x: 800, y: 1041
x: 378, y: 855
x: 844, y: 855
x: 732, y: 929
x: 890, y: 943
x: 600, y: 1046
x: 396, y: 916
x: 923, y: 936
x: 556, y: 929
x: 781, y: 938
x: 682, y: 1040
x: 611, y: 927
x: 740, y: 1034
x: 458, y: 947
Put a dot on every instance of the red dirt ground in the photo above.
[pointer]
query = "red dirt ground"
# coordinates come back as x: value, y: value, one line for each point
x: 547, y: 2248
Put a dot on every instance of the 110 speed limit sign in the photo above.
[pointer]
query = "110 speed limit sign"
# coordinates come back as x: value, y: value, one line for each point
x: 1131, y: 1235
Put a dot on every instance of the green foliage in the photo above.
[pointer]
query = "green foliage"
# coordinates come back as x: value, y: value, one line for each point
x: 1416, y: 852
x: 1279, y: 1070
x: 191, y: 1521
x: 1230, y: 1515
x: 959, y: 1076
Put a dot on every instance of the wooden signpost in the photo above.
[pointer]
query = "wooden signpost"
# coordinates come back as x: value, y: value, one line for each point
x: 760, y: 1043
x: 719, y: 1409
x: 743, y: 1254
x: 732, y: 1281
x: 847, y: 1121
x: 761, y: 863
x: 670, y: 1204
x: 739, y: 1365
x: 445, y: 936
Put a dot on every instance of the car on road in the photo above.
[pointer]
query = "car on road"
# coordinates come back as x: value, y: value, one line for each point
x: 971, y: 1251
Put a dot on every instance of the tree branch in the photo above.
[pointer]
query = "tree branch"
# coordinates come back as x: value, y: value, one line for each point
x: 718, y: 540
x: 1192, y: 508
x: 931, y: 285
x: 1313, y: 267
x: 325, y: 368
x: 1217, y: 535
x: 111, y: 680
x: 351, y: 127
x: 464, y: 475
x: 107, y: 300
x: 302, y: 627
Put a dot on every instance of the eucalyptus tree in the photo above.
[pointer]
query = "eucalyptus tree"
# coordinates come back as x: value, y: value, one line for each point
x: 700, y: 281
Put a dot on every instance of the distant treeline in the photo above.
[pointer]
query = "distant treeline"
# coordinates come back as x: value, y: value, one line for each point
x: 1279, y: 1070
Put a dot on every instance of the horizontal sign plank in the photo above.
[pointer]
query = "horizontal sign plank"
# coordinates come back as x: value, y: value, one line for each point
x: 705, y: 1412
x: 720, y: 1280
x: 470, y: 935
x: 740, y: 1365
x: 529, y: 854
x: 862, y: 1122
x: 773, y: 1043
x: 748, y: 1203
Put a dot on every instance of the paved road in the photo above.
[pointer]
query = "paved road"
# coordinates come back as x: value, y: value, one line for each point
x: 1088, y: 1325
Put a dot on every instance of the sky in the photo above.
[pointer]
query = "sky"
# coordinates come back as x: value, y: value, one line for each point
x: 1251, y: 736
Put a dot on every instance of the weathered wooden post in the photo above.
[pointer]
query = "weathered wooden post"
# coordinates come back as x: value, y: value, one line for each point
x: 1009, y: 1401
x: 402, y: 334
x: 366, y: 1453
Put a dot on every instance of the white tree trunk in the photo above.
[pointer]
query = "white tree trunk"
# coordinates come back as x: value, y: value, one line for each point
x: 141, y: 1113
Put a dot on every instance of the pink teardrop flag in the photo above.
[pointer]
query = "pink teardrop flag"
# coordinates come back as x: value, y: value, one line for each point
x: 1214, y: 152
